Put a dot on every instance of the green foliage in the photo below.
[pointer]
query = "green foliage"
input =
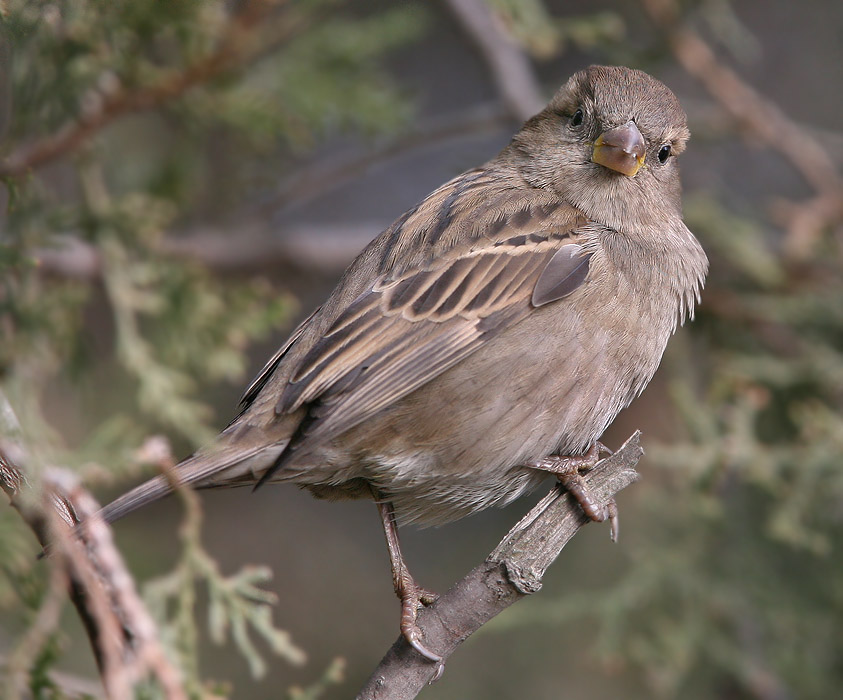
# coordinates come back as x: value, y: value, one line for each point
x: 544, y: 36
x: 192, y: 105
x: 176, y: 325
x: 335, y: 673
x: 325, y: 80
x: 15, y: 561
x: 236, y: 603
x: 41, y: 685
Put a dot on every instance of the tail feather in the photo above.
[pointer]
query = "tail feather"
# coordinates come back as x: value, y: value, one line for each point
x: 148, y: 492
x: 228, y: 467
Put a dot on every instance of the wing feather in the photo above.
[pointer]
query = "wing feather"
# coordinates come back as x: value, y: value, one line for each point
x: 264, y: 375
x: 404, y: 331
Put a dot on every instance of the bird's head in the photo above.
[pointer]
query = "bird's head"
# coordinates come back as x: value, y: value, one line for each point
x: 607, y: 142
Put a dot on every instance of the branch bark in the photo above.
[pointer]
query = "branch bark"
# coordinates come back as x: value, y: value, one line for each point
x: 512, y: 571
x: 83, y: 558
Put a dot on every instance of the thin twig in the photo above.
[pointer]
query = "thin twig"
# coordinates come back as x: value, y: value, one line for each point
x: 758, y: 115
x: 75, y: 556
x: 513, y: 570
x: 334, y: 170
x: 235, y: 48
x: 261, y: 245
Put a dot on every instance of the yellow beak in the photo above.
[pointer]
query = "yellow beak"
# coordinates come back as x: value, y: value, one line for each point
x: 620, y: 149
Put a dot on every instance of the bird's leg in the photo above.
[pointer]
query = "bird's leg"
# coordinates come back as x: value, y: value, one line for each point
x: 568, y: 469
x: 411, y: 594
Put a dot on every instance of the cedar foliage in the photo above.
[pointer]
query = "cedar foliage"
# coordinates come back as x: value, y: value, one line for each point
x: 731, y: 585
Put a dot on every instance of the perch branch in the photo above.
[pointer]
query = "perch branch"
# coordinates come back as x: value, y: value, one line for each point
x: 513, y: 570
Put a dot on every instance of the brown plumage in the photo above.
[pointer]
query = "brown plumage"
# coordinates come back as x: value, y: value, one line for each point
x: 508, y: 316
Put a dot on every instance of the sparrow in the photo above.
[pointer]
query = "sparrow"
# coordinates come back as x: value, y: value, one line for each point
x: 489, y: 336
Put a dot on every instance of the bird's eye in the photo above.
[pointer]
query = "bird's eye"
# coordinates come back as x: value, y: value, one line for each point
x: 664, y: 153
x: 577, y: 117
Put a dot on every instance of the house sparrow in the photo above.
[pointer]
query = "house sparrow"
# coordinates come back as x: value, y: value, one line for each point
x: 488, y: 336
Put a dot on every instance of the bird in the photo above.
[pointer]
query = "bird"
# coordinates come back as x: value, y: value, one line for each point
x: 489, y: 336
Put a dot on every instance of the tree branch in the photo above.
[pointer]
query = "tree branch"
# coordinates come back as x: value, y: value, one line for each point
x: 511, y: 68
x: 321, y: 249
x: 513, y: 570
x: 81, y: 550
x: 236, y: 47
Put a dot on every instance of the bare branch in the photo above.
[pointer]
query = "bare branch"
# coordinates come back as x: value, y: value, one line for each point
x: 94, y: 560
x: 511, y: 68
x: 513, y: 570
x: 758, y: 115
x: 327, y: 249
x: 256, y: 246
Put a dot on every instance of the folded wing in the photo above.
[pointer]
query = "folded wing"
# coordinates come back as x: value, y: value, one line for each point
x: 404, y: 331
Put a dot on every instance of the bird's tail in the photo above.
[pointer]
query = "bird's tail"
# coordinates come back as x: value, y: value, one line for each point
x: 218, y: 466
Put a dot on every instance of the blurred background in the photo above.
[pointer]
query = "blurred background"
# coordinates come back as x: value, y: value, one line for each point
x: 183, y: 181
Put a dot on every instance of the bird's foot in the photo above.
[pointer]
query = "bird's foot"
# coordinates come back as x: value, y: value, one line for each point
x: 568, y: 469
x: 413, y: 597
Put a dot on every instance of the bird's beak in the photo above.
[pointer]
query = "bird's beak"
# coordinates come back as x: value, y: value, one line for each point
x: 620, y: 149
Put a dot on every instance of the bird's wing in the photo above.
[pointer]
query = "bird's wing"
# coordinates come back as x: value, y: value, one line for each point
x: 405, y: 330
x: 260, y: 381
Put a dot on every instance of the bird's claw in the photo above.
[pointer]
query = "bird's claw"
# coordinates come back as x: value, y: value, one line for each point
x: 614, y: 521
x: 410, y: 603
x: 568, y: 471
x: 412, y: 637
x: 602, y: 449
